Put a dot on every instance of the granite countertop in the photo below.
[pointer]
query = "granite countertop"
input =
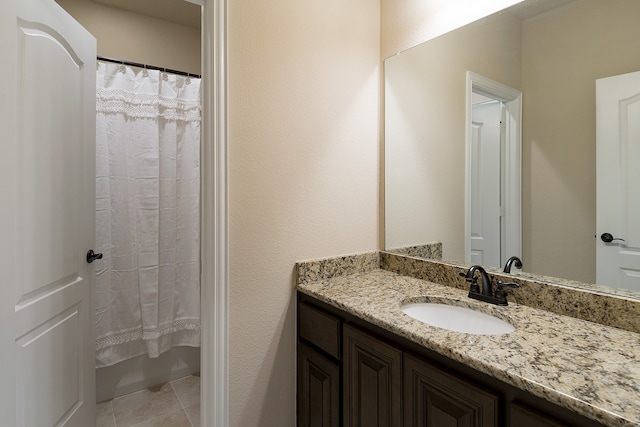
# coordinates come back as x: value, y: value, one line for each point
x: 589, y: 368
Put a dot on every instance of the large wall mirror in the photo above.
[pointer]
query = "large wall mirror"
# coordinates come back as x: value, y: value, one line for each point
x: 553, y: 52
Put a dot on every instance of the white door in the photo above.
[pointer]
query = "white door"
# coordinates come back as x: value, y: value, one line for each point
x: 47, y: 192
x: 485, y: 183
x: 618, y: 180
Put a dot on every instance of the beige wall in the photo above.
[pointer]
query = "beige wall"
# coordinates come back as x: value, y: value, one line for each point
x: 559, y: 158
x: 303, y: 134
x: 134, y: 37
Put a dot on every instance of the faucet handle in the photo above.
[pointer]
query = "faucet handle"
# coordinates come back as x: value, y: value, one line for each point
x: 474, y: 285
x: 475, y: 288
x: 510, y: 284
x: 500, y: 292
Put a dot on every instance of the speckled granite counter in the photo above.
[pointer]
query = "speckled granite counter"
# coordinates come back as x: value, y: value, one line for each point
x: 589, y: 368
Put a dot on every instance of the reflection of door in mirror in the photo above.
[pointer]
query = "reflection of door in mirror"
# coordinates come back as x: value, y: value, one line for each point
x: 618, y: 180
x: 486, y: 165
x: 493, y: 226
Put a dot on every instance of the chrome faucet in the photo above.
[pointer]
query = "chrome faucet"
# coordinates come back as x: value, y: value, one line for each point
x: 514, y: 260
x: 486, y: 294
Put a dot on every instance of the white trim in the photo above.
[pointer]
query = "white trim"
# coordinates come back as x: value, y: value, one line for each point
x: 513, y: 179
x: 214, y: 401
x: 513, y: 160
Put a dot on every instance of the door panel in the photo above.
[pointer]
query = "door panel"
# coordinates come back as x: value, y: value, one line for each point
x: 485, y: 184
x: 618, y: 180
x: 47, y: 108
x: 318, y: 389
x: 57, y: 342
x: 51, y: 158
x: 372, y: 381
x: 435, y: 398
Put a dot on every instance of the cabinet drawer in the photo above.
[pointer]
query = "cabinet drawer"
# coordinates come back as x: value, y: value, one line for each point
x: 320, y: 329
x: 523, y: 416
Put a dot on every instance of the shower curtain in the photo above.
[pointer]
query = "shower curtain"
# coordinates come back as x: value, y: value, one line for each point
x: 147, y: 212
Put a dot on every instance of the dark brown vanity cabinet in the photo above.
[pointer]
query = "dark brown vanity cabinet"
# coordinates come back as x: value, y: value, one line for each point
x: 372, y: 384
x: 433, y: 398
x: 521, y: 416
x: 354, y: 374
x: 318, y: 389
x: 319, y: 368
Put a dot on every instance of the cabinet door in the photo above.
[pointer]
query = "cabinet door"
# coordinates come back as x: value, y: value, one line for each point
x: 434, y: 398
x: 522, y: 416
x: 372, y: 381
x: 318, y: 389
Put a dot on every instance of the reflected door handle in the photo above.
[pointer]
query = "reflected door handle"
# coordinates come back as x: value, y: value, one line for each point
x: 608, y: 238
x: 92, y: 256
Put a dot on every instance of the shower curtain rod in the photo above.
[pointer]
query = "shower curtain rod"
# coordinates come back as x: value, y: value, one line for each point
x: 148, y: 67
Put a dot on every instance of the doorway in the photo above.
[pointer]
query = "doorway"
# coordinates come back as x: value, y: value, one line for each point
x: 214, y: 195
x: 214, y: 240
x: 164, y: 33
x: 493, y: 230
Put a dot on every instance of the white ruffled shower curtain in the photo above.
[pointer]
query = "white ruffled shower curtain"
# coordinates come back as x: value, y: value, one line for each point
x: 147, y: 212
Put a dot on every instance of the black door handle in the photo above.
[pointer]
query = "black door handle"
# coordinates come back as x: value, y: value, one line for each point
x: 608, y: 238
x: 92, y: 256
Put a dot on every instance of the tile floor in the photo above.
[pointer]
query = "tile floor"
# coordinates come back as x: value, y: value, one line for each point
x: 174, y: 404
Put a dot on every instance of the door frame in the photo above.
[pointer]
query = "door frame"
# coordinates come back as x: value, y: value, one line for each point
x: 512, y: 99
x: 214, y: 247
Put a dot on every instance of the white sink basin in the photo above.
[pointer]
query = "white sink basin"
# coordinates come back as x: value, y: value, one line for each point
x: 459, y: 319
